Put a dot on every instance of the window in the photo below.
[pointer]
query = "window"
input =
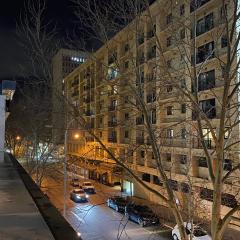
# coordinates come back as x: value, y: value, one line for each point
x: 204, y: 24
x: 153, y: 116
x: 205, y: 52
x: 169, y: 41
x: 195, y: 4
x: 173, y: 184
x: 170, y: 110
x: 227, y: 165
x: 183, y: 159
x: 146, y: 177
x: 168, y: 157
x: 153, y: 156
x: 169, y: 18
x: 142, y: 153
x: 182, y: 33
x: 156, y: 180
x: 169, y: 88
x: 183, y: 108
x: 126, y: 133
x: 126, y: 64
x: 126, y: 115
x: 206, y: 194
x: 185, y: 188
x: 100, y: 134
x: 229, y: 200
x: 206, y: 80
x: 224, y: 41
x: 183, y: 83
x: 202, y: 162
x: 170, y: 133
x: 126, y: 47
x: 182, y: 10
x: 169, y: 63
x: 208, y: 107
x: 183, y: 133
x: 226, y: 134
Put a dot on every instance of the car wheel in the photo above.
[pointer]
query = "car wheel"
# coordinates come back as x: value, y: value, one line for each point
x: 175, y: 237
x: 141, y: 222
x: 116, y: 208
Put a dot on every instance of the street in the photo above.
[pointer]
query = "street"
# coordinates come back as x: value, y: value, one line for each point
x: 94, y: 220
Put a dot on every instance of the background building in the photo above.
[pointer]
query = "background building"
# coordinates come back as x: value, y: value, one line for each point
x: 64, y: 62
x: 101, y: 88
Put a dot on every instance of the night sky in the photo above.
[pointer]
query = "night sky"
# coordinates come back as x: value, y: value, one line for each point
x: 11, y: 54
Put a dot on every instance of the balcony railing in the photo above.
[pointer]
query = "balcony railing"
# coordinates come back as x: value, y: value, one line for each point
x: 89, y: 139
x: 196, y: 143
x: 112, y: 108
x: 139, y: 121
x: 173, y: 142
x: 140, y: 140
x: 112, y: 123
x: 112, y: 139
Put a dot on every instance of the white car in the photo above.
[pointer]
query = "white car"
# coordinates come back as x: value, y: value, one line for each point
x: 78, y: 195
x: 88, y: 187
x: 198, y: 233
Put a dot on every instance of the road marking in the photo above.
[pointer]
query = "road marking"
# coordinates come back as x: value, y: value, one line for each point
x: 79, y: 218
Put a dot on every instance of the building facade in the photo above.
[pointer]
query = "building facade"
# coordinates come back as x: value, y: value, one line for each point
x: 143, y: 68
x: 64, y: 62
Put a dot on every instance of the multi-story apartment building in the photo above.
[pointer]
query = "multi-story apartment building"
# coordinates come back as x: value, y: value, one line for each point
x: 145, y: 66
x: 64, y: 62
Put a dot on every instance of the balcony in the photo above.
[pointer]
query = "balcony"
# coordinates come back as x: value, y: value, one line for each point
x: 112, y: 108
x: 89, y: 139
x: 139, y: 121
x: 140, y: 140
x: 196, y: 143
x: 173, y: 142
x: 195, y: 4
x: 112, y: 124
x: 112, y: 139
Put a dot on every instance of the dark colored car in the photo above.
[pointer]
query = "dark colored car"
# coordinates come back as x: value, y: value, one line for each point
x: 142, y: 215
x: 117, y: 203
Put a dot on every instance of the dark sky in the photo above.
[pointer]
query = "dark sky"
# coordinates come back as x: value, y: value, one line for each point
x: 11, y: 54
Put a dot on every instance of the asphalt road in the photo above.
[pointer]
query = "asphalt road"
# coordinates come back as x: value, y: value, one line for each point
x: 94, y: 220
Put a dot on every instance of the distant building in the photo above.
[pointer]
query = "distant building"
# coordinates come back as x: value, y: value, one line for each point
x: 7, y: 89
x: 64, y: 62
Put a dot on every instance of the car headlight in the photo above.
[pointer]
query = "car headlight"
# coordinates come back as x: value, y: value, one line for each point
x: 78, y: 197
x: 87, y: 196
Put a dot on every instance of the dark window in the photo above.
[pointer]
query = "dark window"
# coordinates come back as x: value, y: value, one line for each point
x: 183, y: 108
x: 183, y: 83
x: 126, y: 133
x: 206, y: 194
x: 126, y: 64
x: 182, y: 33
x: 100, y: 134
x: 146, y: 177
x: 156, y: 180
x: 153, y: 156
x: 208, y: 107
x: 169, y: 63
x: 195, y: 4
x: 153, y: 116
x: 227, y: 165
x: 224, y: 41
x: 169, y: 18
x: 169, y: 110
x: 206, y: 80
x: 183, y: 133
x: 173, y: 184
x: 126, y: 116
x: 169, y: 41
x: 142, y: 153
x: 229, y: 200
x: 204, y: 24
x: 168, y: 157
x: 169, y: 88
x: 126, y: 47
x: 185, y: 188
x: 183, y: 159
x: 182, y: 9
x: 202, y: 162
x: 205, y: 52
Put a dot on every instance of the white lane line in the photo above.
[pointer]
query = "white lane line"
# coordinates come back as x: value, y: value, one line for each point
x: 79, y: 218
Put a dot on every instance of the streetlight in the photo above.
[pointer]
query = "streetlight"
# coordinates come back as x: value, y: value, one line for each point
x: 76, y: 136
x: 18, y: 138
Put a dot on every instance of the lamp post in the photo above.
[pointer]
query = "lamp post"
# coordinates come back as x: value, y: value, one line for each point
x: 76, y: 136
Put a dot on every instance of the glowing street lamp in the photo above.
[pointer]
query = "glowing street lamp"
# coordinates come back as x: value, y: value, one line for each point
x: 76, y: 136
x: 18, y: 138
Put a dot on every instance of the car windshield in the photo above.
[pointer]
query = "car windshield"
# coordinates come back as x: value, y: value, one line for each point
x: 87, y: 184
x: 78, y: 191
x: 198, y: 232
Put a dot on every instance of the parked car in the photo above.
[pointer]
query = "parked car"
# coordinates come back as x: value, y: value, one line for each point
x: 78, y: 195
x: 142, y: 215
x: 88, y: 187
x: 75, y: 182
x: 117, y: 203
x: 198, y: 232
